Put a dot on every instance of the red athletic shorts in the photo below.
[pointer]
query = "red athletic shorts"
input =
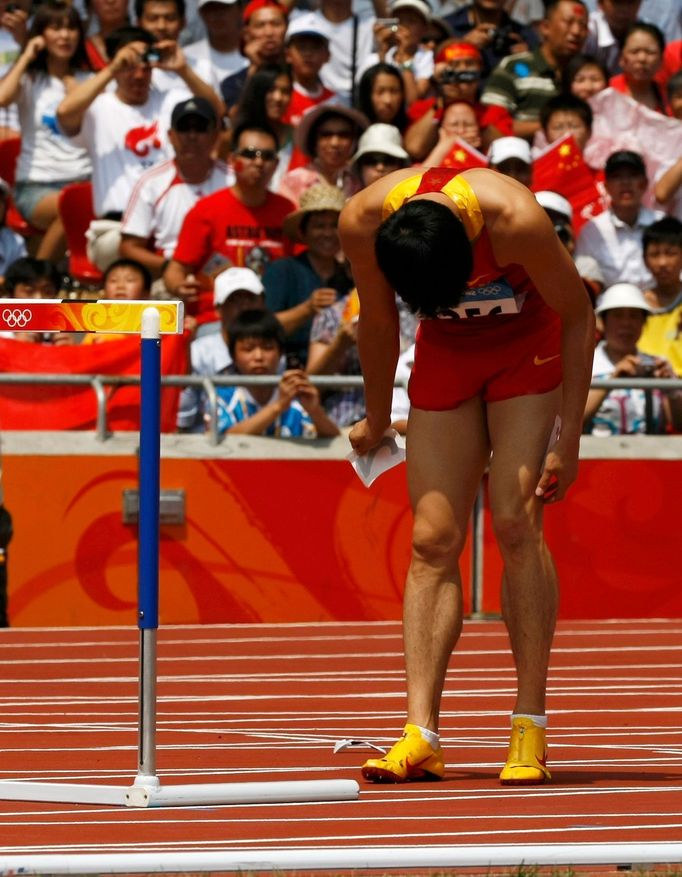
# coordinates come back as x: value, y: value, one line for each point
x: 505, y: 357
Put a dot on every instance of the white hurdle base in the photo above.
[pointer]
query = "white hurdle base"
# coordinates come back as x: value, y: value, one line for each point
x: 353, y: 858
x: 148, y: 792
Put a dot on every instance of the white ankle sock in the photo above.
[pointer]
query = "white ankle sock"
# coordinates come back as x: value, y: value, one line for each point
x: 540, y: 721
x: 430, y: 736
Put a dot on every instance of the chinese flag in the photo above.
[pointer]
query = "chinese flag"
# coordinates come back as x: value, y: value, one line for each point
x: 60, y: 406
x: 561, y: 168
x: 464, y: 157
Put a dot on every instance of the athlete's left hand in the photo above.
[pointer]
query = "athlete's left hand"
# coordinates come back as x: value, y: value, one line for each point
x: 363, y: 437
x: 559, y: 472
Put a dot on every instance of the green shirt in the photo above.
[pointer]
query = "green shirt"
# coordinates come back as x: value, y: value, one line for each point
x: 522, y: 84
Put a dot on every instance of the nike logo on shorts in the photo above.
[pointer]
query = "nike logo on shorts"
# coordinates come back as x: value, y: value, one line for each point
x: 542, y: 361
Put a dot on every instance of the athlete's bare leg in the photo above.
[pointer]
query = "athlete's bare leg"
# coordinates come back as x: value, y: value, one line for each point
x: 519, y: 432
x: 447, y: 455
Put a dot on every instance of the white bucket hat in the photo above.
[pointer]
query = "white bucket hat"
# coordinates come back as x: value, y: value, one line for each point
x: 622, y: 295
x: 381, y: 138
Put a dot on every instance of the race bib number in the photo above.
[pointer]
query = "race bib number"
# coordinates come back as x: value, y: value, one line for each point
x: 490, y: 300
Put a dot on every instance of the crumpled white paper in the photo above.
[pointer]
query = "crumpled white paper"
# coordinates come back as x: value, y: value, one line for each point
x: 388, y: 453
x: 342, y: 745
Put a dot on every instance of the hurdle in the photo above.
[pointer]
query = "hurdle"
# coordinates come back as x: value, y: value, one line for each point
x: 150, y: 322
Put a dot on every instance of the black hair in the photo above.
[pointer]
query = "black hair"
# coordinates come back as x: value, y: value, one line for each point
x: 366, y: 86
x: 423, y: 251
x: 674, y: 85
x: 140, y: 5
x: 551, y: 5
x: 650, y: 29
x: 566, y: 103
x: 136, y: 266
x: 255, y: 324
x: 248, y: 126
x: 329, y: 113
x: 575, y: 65
x: 128, y: 33
x: 667, y: 230
x: 29, y: 269
x: 251, y: 107
x: 57, y: 12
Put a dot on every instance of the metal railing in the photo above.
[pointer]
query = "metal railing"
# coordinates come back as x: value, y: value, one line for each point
x: 99, y: 383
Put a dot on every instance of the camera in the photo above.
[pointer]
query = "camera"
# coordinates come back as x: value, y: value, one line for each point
x: 501, y: 40
x: 388, y: 22
x: 450, y: 76
x: 151, y: 56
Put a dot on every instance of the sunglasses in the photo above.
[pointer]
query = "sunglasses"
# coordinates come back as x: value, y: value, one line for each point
x: 251, y: 153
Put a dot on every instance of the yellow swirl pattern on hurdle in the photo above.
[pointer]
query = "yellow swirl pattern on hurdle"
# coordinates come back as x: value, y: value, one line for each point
x: 99, y: 317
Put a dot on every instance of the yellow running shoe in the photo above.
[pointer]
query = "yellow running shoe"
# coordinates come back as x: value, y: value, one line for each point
x: 527, y: 757
x: 411, y: 758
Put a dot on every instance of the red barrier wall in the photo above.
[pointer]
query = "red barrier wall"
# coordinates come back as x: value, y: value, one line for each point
x: 299, y: 540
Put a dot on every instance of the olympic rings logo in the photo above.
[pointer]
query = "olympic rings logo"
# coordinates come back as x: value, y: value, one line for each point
x: 16, y: 319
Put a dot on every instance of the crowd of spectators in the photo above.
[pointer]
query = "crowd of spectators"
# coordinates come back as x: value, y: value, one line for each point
x: 220, y: 139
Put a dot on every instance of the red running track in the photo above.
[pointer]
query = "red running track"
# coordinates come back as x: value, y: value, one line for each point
x: 266, y: 702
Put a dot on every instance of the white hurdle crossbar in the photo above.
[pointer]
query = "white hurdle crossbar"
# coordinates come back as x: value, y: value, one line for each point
x: 149, y: 321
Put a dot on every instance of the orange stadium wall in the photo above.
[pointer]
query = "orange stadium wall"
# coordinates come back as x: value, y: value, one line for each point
x: 303, y: 541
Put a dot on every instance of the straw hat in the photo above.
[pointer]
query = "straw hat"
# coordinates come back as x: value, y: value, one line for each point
x: 317, y: 198
x: 311, y: 117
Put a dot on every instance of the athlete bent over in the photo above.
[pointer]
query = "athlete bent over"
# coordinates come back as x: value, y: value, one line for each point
x: 503, y: 314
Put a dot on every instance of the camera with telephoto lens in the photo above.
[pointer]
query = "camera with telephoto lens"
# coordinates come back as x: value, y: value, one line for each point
x: 501, y: 40
x: 450, y: 76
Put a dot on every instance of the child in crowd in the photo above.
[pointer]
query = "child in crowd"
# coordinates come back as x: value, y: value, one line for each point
x: 293, y: 410
x: 32, y: 278
x: 126, y: 279
x: 662, y: 246
x: 307, y: 51
x: 566, y: 114
x: 511, y: 156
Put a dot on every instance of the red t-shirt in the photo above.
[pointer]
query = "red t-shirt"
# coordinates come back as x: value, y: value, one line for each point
x: 301, y: 101
x: 220, y: 230
x: 619, y: 83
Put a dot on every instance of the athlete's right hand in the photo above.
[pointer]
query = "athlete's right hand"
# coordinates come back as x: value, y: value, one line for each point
x: 363, y: 437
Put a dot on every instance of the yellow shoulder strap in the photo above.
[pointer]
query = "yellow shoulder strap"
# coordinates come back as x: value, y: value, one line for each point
x: 457, y: 189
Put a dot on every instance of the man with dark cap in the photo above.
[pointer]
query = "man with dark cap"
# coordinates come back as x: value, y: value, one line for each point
x: 614, y: 238
x: 166, y: 192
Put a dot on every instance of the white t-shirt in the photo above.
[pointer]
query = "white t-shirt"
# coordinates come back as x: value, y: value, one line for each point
x: 160, y: 201
x: 46, y: 154
x: 123, y: 141
x: 336, y: 73
x: 223, y: 63
x: 167, y: 80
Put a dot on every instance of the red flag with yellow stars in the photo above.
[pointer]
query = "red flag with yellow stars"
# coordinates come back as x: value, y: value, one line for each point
x: 561, y: 168
x: 464, y: 157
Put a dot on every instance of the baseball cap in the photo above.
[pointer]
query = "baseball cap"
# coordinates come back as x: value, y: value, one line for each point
x: 505, y: 148
x: 381, y: 138
x: 420, y: 6
x: 555, y: 202
x: 201, y: 3
x: 193, y: 106
x: 625, y: 158
x: 235, y: 280
x: 622, y: 295
x: 308, y: 24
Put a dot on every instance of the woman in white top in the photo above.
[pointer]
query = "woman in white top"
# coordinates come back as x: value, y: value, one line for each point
x: 52, y: 63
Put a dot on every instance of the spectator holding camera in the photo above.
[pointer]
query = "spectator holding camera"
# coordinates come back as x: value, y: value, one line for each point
x: 399, y: 44
x: 457, y: 77
x: 487, y: 25
x: 124, y: 130
x: 292, y: 409
x: 624, y: 311
x: 521, y: 83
